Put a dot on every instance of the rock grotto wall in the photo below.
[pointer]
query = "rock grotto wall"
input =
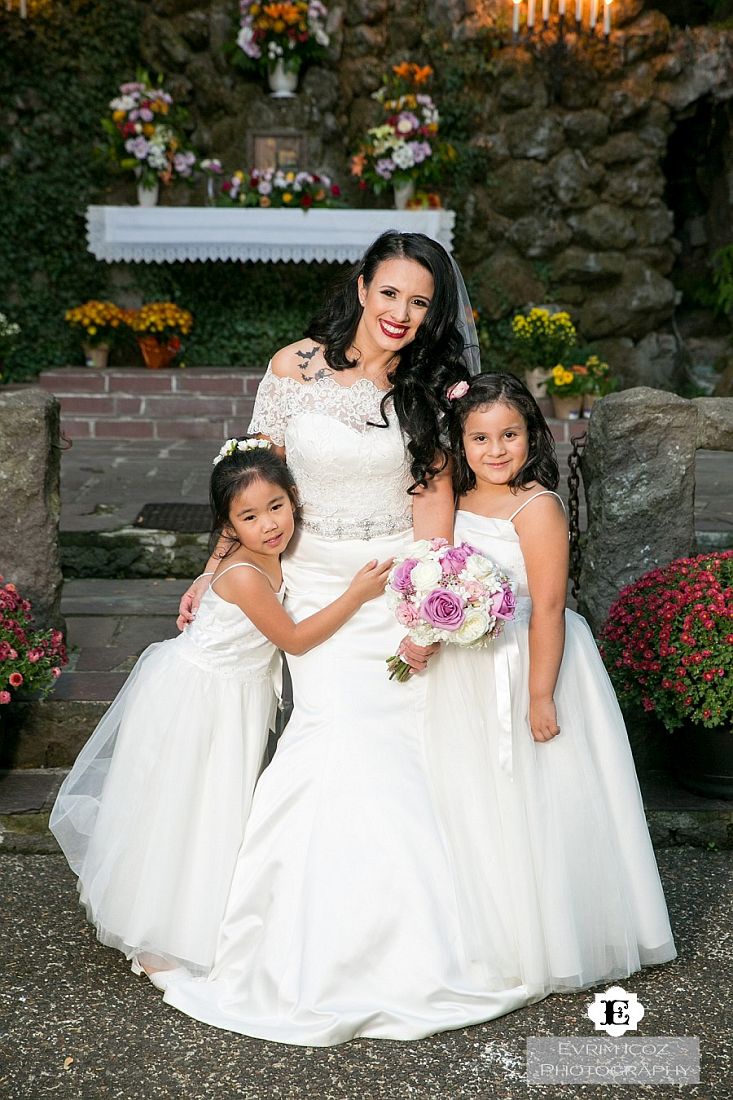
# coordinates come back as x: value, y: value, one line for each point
x: 565, y: 201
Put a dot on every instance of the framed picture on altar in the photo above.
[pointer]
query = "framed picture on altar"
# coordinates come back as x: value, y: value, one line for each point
x: 285, y: 149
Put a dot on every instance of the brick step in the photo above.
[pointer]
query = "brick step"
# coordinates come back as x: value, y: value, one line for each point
x: 195, y: 403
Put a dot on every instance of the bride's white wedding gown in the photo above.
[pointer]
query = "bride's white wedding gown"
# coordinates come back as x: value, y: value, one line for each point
x: 348, y: 914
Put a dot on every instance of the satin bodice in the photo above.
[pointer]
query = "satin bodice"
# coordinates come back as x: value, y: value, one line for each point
x: 223, y: 640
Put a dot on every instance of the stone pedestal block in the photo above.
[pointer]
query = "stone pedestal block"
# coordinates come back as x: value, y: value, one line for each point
x: 639, y: 476
x: 29, y: 499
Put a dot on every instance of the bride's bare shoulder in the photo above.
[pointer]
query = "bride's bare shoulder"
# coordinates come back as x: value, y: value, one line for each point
x: 299, y: 360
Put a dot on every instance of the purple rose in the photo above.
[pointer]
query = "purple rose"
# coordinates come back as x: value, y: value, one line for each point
x: 454, y: 559
x: 401, y: 580
x: 503, y: 603
x: 443, y: 609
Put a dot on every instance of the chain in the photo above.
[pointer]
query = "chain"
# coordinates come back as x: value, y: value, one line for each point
x: 577, y: 446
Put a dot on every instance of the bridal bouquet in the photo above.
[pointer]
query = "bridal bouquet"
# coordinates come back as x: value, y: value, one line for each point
x: 444, y: 593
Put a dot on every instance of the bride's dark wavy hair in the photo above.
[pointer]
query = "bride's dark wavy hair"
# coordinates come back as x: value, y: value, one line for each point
x: 426, y: 368
x: 493, y: 388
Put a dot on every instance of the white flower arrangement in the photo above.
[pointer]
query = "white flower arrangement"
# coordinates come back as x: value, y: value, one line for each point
x: 233, y: 445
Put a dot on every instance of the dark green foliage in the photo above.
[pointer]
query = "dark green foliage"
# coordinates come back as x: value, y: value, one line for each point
x: 57, y: 74
x: 242, y: 312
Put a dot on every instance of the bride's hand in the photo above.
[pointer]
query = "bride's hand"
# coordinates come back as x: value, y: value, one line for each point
x: 416, y: 656
x: 190, y: 601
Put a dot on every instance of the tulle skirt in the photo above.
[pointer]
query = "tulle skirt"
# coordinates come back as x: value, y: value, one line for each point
x: 549, y: 845
x: 151, y: 816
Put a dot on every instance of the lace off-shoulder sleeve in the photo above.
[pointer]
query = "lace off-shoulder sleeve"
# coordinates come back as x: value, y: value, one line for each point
x: 271, y: 412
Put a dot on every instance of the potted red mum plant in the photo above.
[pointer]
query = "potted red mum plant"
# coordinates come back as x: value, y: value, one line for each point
x: 30, y: 660
x: 668, y: 648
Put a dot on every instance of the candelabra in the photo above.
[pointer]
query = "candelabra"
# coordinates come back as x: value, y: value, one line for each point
x: 537, y: 24
x: 564, y: 45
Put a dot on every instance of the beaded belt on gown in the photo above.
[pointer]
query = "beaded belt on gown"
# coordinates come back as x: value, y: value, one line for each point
x: 338, y: 529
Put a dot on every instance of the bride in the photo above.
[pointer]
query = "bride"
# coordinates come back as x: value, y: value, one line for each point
x: 344, y: 916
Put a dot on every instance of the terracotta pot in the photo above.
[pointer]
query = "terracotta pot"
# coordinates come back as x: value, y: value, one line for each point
x: 589, y: 400
x: 703, y: 759
x: 282, y: 81
x: 567, y: 408
x: 403, y: 192
x: 96, y: 355
x: 536, y: 381
x: 156, y: 354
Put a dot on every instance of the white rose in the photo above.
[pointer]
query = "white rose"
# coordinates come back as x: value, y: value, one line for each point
x: 419, y: 549
x: 424, y: 635
x: 425, y: 575
x: 473, y: 627
x: 480, y: 567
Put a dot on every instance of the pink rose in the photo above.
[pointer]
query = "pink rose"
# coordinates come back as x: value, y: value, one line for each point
x: 458, y: 389
x: 15, y: 679
x: 34, y: 655
x: 55, y: 672
x: 407, y: 615
x: 454, y: 559
x: 475, y: 590
x: 503, y: 604
x: 5, y: 696
x: 438, y: 543
x: 401, y: 580
x: 443, y: 609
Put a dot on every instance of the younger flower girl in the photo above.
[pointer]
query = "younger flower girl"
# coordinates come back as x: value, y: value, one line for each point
x: 527, y: 749
x: 152, y: 814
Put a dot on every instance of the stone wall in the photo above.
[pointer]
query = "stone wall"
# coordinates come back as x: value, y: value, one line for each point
x: 29, y: 500
x: 570, y: 205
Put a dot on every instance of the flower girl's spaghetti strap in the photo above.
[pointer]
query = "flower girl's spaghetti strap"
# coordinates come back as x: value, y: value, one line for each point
x: 543, y: 493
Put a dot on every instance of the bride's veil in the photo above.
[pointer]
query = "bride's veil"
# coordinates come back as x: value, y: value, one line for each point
x: 466, y: 324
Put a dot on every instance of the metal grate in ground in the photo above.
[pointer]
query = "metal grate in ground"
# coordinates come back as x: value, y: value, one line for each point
x: 187, y: 518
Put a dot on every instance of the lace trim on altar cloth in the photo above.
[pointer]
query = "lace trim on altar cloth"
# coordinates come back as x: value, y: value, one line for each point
x: 278, y: 399
x: 363, y: 529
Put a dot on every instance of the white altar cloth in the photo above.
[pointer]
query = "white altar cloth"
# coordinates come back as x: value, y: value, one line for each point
x: 166, y: 234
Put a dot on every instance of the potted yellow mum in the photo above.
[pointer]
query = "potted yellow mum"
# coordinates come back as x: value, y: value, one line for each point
x: 101, y: 324
x: 159, y: 327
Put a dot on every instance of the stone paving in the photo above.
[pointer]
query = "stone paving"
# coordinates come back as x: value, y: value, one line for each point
x: 77, y: 1024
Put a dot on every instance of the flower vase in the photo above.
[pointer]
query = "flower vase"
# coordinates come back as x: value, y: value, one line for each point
x: 96, y: 355
x: 157, y: 355
x: 536, y: 381
x: 403, y: 192
x: 282, y: 81
x: 567, y: 408
x: 147, y: 196
x: 703, y: 759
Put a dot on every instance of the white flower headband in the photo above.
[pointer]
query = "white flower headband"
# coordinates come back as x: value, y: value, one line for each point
x: 233, y: 445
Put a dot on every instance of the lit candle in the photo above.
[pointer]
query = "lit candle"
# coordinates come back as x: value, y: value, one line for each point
x: 578, y: 11
x: 607, y: 17
x: 545, y: 11
x: 593, y: 19
x: 561, y: 9
x: 530, y: 14
x: 515, y: 16
x: 23, y: 9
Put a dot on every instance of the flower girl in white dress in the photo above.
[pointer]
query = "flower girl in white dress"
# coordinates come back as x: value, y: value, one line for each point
x: 152, y: 814
x: 527, y: 749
